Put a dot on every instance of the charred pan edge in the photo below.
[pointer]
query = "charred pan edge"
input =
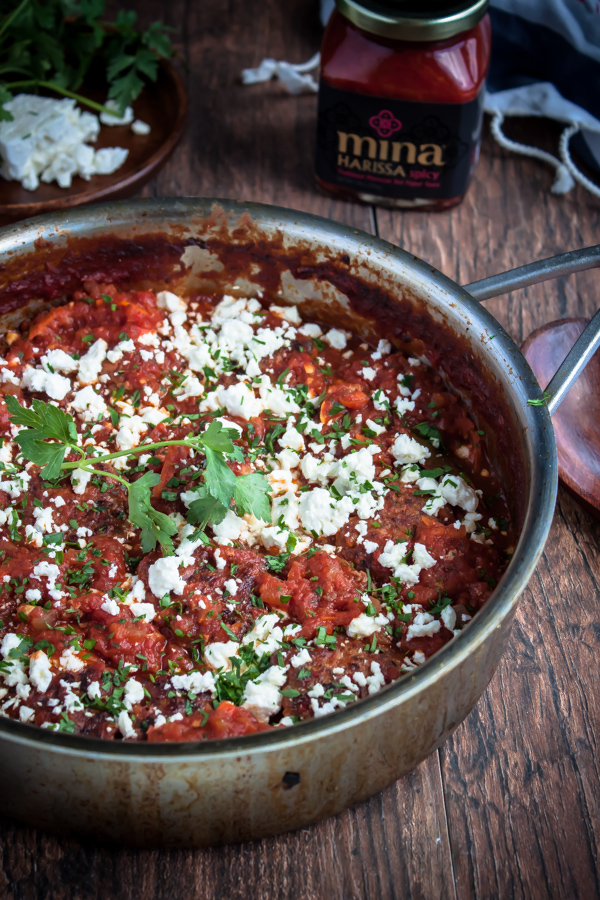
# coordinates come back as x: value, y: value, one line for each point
x: 142, y: 241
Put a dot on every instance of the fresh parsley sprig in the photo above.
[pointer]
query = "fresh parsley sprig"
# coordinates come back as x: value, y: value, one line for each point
x: 53, y: 44
x: 48, y: 435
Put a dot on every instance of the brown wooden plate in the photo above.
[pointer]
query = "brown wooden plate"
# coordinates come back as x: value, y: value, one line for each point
x: 162, y: 104
x: 577, y: 420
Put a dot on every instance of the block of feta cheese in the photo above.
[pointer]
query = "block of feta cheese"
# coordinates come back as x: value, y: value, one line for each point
x: 47, y: 140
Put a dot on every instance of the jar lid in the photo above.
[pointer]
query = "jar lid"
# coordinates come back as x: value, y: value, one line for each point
x: 414, y: 20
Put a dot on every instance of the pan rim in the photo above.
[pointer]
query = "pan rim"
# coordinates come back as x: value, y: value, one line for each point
x: 542, y: 460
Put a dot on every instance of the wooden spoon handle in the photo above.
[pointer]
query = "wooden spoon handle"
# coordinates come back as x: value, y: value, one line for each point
x: 573, y: 364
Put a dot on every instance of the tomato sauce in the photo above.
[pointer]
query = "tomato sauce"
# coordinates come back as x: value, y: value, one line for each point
x: 387, y: 527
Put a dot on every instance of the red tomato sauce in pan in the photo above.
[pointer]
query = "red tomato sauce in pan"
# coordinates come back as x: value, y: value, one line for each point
x: 385, y: 530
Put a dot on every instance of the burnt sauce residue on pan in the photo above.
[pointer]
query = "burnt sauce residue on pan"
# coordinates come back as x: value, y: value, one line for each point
x: 368, y: 525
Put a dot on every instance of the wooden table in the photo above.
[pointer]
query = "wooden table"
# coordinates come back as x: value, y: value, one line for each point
x: 509, y: 807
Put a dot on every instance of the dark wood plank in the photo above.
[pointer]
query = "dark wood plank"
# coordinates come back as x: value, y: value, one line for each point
x: 256, y: 142
x: 521, y: 774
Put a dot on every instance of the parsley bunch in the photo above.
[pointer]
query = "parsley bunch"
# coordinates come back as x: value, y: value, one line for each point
x: 48, y: 435
x: 52, y: 44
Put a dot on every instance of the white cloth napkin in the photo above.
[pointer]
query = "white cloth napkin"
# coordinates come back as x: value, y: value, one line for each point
x: 542, y: 99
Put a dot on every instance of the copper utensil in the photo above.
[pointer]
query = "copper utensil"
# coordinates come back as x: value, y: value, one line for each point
x: 577, y: 422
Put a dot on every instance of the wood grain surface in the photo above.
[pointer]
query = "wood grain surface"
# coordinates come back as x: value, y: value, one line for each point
x: 510, y: 805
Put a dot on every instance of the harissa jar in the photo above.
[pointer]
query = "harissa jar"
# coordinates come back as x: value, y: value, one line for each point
x: 401, y: 101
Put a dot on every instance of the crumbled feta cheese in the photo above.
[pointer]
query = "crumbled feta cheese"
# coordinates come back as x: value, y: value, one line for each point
x: 218, y: 654
x: 70, y: 660
x: 383, y: 348
x: 421, y: 557
x: 109, y: 159
x: 80, y: 479
x: 134, y: 693
x: 292, y: 439
x: 59, y: 361
x: 46, y: 140
x: 311, y: 330
x: 375, y: 681
x: 266, y: 636
x: 263, y: 696
x: 231, y: 586
x: 423, y: 625
x: 301, y: 658
x: 140, y: 127
x: 457, y: 492
x: 26, y: 714
x: 110, y: 606
x: 39, y: 381
x: 40, y: 673
x: 364, y: 626
x: 145, y: 610
x: 91, y: 364
x: 89, y: 404
x: 164, y: 577
x: 44, y: 522
x: 448, y: 617
x: 113, y: 118
x: 51, y: 572
x: 407, y: 450
x: 373, y: 426
x: 10, y: 642
x: 289, y: 313
x: 196, y: 682
x: 336, y: 338
x: 125, y: 725
x: 94, y: 690
x: 322, y: 514
x: 130, y: 432
x: 403, y: 405
x: 238, y: 400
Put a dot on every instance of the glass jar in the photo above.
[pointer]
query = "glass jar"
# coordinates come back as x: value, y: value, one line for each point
x: 401, y: 101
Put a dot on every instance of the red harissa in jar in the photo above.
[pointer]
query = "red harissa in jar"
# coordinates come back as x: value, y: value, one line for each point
x: 401, y: 100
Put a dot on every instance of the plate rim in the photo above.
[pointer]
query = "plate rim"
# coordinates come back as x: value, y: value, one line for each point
x: 11, y: 213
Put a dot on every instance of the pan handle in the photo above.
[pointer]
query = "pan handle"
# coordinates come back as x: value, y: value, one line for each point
x: 573, y: 364
x: 588, y: 341
x: 543, y: 270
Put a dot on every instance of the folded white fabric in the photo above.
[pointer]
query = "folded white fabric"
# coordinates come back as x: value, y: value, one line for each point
x: 542, y: 99
x: 295, y: 77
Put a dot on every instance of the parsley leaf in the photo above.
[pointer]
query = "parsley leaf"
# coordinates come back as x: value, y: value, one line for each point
x: 250, y: 493
x: 53, y: 44
x: 219, y: 479
x: 43, y: 421
x: 206, y: 509
x: 439, y: 605
x: 277, y: 563
x: 155, y: 526
x: 48, y: 434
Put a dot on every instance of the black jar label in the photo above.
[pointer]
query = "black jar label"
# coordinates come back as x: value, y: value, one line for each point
x: 397, y: 148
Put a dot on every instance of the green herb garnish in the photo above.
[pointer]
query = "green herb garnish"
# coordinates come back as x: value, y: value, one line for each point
x: 49, y: 435
x: 51, y: 44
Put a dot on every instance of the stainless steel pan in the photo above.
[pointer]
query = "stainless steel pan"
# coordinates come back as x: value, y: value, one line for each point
x: 231, y: 790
